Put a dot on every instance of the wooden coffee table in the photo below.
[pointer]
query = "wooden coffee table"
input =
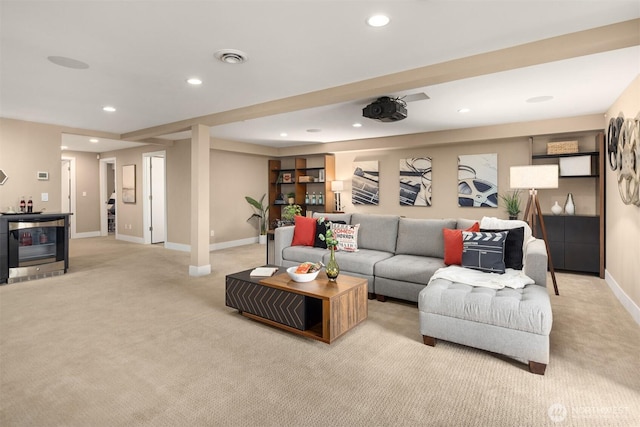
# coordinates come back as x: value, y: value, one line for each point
x: 319, y: 309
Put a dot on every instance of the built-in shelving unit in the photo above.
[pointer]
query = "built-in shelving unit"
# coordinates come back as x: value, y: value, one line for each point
x: 591, y: 185
x: 301, y: 175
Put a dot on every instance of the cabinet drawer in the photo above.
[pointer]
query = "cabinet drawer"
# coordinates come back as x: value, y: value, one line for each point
x: 291, y: 309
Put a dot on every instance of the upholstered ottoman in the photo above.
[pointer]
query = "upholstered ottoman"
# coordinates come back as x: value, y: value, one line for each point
x: 512, y: 322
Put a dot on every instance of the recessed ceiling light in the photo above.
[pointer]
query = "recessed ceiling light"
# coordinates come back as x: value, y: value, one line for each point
x: 94, y: 140
x: 231, y: 56
x: 357, y: 125
x: 464, y: 110
x: 537, y: 99
x: 194, y: 81
x: 109, y: 109
x: 68, y: 62
x: 314, y: 130
x: 283, y: 134
x: 378, y: 20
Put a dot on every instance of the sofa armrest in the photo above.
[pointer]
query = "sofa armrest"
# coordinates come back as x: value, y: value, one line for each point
x: 535, y: 261
x: 282, y: 238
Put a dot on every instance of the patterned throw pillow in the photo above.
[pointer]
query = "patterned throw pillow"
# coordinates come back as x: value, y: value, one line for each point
x: 321, y: 228
x: 347, y: 236
x: 484, y: 251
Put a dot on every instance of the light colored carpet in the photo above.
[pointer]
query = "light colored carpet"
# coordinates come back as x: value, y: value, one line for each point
x: 127, y: 338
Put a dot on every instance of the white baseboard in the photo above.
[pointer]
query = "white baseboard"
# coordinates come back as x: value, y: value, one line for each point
x: 233, y: 243
x: 86, y: 235
x: 214, y: 246
x: 132, y: 239
x: 624, y: 299
x: 177, y: 246
x: 201, y: 270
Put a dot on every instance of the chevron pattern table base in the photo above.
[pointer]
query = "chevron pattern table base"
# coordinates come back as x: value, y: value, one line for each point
x: 320, y: 309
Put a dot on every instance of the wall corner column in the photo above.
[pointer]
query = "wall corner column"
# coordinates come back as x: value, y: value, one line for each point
x: 200, y: 264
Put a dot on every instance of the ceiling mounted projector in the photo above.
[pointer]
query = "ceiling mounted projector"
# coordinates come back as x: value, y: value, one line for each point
x: 386, y: 109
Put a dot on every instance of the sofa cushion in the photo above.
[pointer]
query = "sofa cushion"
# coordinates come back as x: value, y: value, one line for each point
x: 299, y: 254
x: 512, y: 247
x: 347, y: 236
x: 463, y: 223
x: 483, y: 251
x: 527, y: 309
x: 361, y: 262
x: 408, y: 268
x: 377, y: 232
x: 453, y: 244
x: 334, y: 217
x: 422, y: 237
x: 305, y: 232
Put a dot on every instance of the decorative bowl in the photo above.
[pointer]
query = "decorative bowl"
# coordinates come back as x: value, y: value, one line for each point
x: 306, y: 277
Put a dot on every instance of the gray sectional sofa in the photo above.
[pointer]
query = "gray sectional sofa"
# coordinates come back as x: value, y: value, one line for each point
x: 398, y: 256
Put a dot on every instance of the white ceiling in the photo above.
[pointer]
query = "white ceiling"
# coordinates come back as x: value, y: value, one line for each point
x: 140, y: 54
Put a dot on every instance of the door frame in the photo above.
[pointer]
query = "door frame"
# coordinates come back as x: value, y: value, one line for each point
x: 72, y: 192
x: 104, y: 229
x: 146, y: 192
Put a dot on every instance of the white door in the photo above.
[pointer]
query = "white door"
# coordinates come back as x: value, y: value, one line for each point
x: 157, y: 197
x: 65, y: 202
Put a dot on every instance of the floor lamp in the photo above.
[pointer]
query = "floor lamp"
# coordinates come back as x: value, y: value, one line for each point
x: 533, y: 178
x: 337, y: 187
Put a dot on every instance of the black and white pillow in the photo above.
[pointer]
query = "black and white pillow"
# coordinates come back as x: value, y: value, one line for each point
x: 484, y: 251
x: 321, y: 228
x: 512, y: 247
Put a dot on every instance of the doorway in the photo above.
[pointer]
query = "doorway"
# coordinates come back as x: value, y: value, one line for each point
x: 154, y: 197
x: 68, y: 190
x: 108, y: 198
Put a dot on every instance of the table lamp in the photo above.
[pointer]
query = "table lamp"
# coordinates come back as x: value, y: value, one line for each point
x: 337, y: 187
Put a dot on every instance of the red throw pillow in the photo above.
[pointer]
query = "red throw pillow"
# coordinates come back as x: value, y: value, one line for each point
x: 305, y: 232
x: 453, y: 244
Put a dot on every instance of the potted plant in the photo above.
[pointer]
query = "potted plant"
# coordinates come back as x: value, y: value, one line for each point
x: 291, y: 198
x: 261, y: 212
x: 512, y: 203
x: 289, y: 212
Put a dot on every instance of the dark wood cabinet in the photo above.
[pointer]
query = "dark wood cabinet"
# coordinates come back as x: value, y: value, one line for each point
x: 574, y: 242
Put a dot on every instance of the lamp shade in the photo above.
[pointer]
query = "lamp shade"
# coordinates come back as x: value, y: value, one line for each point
x: 534, y: 176
x: 337, y: 186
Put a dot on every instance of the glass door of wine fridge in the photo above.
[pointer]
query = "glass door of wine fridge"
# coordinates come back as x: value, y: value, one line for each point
x: 36, y: 248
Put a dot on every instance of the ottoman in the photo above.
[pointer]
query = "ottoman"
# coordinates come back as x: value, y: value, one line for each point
x: 512, y: 322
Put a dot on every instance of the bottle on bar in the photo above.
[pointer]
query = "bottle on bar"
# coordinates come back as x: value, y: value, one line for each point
x: 23, y: 205
x: 30, y: 205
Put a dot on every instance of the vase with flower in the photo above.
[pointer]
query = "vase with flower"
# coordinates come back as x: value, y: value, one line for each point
x: 332, y: 269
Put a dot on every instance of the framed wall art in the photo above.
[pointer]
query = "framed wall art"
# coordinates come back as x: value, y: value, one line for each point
x: 364, y: 183
x: 415, y: 181
x: 478, y: 180
x: 129, y: 184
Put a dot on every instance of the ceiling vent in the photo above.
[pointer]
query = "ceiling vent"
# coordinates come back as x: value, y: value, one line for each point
x: 231, y: 56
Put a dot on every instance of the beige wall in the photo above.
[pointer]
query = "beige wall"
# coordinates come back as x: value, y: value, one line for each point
x: 234, y: 176
x: 87, y: 214
x: 623, y: 221
x: 25, y: 149
x: 444, y: 176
